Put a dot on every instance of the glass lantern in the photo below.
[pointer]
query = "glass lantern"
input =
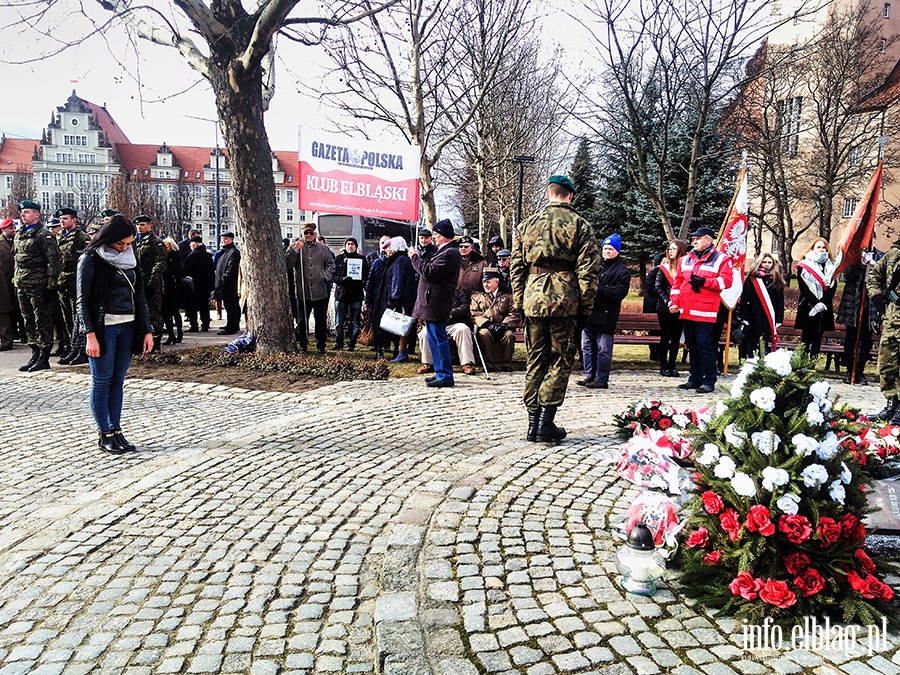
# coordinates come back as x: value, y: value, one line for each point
x: 639, y: 563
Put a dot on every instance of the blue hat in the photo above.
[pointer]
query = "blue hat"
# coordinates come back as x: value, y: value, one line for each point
x: 504, y: 253
x: 703, y: 232
x: 613, y: 240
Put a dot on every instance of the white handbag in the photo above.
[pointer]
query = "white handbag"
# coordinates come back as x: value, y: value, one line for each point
x: 395, y: 322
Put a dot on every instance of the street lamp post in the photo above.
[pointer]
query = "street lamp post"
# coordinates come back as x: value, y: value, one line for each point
x: 521, y: 160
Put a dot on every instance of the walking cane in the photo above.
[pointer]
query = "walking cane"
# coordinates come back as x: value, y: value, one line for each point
x: 480, y: 355
x: 303, y: 294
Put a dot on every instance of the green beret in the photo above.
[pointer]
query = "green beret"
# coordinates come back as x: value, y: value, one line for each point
x: 108, y: 213
x: 94, y: 227
x: 142, y: 219
x: 65, y: 211
x: 29, y: 204
x: 564, y: 181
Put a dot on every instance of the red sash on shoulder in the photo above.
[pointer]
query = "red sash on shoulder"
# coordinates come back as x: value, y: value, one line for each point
x: 767, y: 306
x: 814, y: 273
x: 669, y: 276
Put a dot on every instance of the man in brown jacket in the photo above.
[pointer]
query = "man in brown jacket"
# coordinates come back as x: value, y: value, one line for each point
x: 496, y: 319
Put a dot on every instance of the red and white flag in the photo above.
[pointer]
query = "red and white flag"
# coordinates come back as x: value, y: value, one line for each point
x: 733, y: 241
x: 859, y: 231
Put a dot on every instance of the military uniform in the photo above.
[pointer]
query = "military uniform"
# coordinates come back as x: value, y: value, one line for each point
x: 151, y: 255
x: 36, y: 277
x: 553, y: 272
x: 71, y: 246
x: 878, y: 285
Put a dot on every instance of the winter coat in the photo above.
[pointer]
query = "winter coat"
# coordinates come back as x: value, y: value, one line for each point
x: 703, y: 306
x: 7, y: 266
x: 751, y: 310
x: 373, y: 283
x: 614, y: 280
x: 399, y: 287
x: 199, y: 267
x: 811, y: 293
x: 662, y: 289
x: 313, y: 270
x: 349, y: 290
x: 854, y: 282
x: 173, y: 299
x: 488, y: 309
x: 227, y: 267
x: 470, y: 271
x: 437, y: 294
x: 461, y: 312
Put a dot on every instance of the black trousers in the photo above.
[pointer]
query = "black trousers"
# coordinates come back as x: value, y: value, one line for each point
x: 319, y: 311
x: 233, y: 309
x: 669, y: 339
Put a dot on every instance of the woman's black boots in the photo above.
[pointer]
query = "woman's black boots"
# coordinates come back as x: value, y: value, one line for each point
x: 108, y: 443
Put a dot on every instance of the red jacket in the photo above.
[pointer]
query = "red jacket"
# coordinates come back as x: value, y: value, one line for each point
x: 715, y: 268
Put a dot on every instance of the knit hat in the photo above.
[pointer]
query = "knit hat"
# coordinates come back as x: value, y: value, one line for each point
x: 444, y: 228
x: 613, y: 240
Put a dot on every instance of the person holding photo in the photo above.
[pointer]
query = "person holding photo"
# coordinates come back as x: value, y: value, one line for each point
x: 350, y: 273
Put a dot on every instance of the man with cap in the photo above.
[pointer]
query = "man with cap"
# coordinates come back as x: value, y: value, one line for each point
x: 426, y: 247
x: 226, y: 286
x: 696, y: 293
x: 503, y: 256
x: 152, y: 257
x: 459, y: 332
x: 36, y: 277
x: 72, y: 241
x: 313, y: 268
x: 436, y: 292
x: 106, y: 214
x: 184, y: 246
x: 554, y: 280
x: 198, y: 265
x: 350, y: 287
x: 495, y: 245
x: 60, y: 331
x: 495, y: 322
x: 472, y: 267
x: 613, y: 282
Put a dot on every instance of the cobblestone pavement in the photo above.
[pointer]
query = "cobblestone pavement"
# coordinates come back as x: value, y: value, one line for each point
x: 361, y: 527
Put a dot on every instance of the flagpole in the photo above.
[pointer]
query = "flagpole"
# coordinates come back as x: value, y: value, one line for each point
x: 727, y: 343
x: 718, y: 240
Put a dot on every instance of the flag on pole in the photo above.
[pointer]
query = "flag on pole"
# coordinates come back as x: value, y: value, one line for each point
x: 733, y: 241
x: 859, y: 231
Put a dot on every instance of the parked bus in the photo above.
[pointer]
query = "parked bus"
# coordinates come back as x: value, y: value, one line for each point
x: 367, y: 231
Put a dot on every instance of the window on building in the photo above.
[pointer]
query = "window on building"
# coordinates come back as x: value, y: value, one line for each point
x: 224, y: 211
x: 289, y: 196
x: 95, y: 180
x: 849, y: 207
x: 70, y: 200
x: 198, y: 190
x: 303, y: 216
x: 289, y: 234
x: 65, y: 158
x: 74, y: 140
x: 164, y: 161
x: 45, y: 198
x: 278, y: 196
x: 887, y: 10
x: 9, y: 182
x: 883, y: 47
x: 83, y: 180
x: 198, y: 210
x: 855, y: 157
x: 45, y: 178
x: 70, y: 180
x: 107, y: 180
x: 171, y: 192
x: 86, y: 158
x: 57, y: 199
x: 789, y: 116
x: 57, y: 179
x: 289, y: 215
x: 159, y: 192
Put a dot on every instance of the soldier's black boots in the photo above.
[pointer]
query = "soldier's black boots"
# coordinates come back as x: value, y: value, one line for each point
x: 547, y: 431
x: 43, y: 360
x: 123, y: 442
x: 79, y: 360
x: 157, y: 341
x: 35, y: 355
x: 889, y: 409
x: 108, y: 443
x: 533, y: 416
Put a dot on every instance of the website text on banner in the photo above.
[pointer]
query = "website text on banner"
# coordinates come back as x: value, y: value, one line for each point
x: 340, y: 174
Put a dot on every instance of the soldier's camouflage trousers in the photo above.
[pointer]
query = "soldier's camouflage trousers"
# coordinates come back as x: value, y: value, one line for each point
x: 550, y: 346
x: 67, y: 303
x: 889, y: 361
x: 154, y: 305
x: 38, y: 316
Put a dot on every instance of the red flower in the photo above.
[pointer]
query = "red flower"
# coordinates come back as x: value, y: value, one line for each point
x: 810, y: 582
x: 699, y: 538
x: 828, y: 530
x: 879, y: 589
x: 712, y: 557
x: 777, y: 593
x: 731, y: 523
x: 865, y: 562
x: 795, y: 562
x: 712, y: 502
x: 860, y: 585
x: 852, y: 528
x: 758, y: 521
x: 655, y: 414
x: 796, y: 528
x: 745, y: 586
x: 665, y: 423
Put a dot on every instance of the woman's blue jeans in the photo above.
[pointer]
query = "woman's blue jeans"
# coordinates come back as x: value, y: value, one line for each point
x: 108, y: 376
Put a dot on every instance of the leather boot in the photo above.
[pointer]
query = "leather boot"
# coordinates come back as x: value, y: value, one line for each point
x: 61, y: 350
x: 43, y: 360
x: 68, y: 358
x: 533, y: 416
x: 108, y: 443
x: 180, y: 336
x: 122, y: 441
x: 157, y: 340
x: 35, y: 355
x: 889, y: 409
x: 79, y: 360
x: 547, y: 431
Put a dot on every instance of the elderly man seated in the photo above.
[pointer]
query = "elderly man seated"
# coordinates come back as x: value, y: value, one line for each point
x: 459, y: 330
x: 496, y: 320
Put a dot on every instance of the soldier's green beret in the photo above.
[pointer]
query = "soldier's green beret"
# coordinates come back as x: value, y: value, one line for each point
x: 142, y: 219
x: 108, y: 213
x: 564, y: 181
x: 29, y: 204
x: 65, y: 211
x: 54, y: 222
x: 94, y: 227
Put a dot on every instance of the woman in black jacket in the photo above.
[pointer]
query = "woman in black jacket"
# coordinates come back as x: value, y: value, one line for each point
x: 173, y: 298
x: 762, y: 304
x: 110, y: 302
x: 669, y: 324
x: 815, y: 310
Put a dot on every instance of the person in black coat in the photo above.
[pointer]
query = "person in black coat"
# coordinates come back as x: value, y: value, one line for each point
x: 815, y: 310
x: 438, y: 278
x: 761, y: 309
x: 348, y: 294
x: 651, y: 300
x: 398, y: 292
x: 848, y: 315
x: 199, y: 267
x: 173, y: 296
x: 599, y: 328
x: 669, y: 323
x: 226, y: 285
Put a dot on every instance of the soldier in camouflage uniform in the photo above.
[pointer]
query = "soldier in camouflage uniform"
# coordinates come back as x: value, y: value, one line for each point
x: 883, y: 285
x: 151, y: 254
x: 72, y: 242
x: 54, y: 227
x: 36, y: 277
x: 553, y: 272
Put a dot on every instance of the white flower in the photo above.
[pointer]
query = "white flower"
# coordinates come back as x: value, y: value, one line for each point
x: 773, y: 478
x: 725, y: 467
x: 789, y: 503
x: 680, y: 420
x: 846, y: 474
x: 815, y: 475
x: 737, y: 387
x: 819, y: 390
x: 734, y: 436
x: 710, y: 454
x: 779, y: 361
x: 837, y: 492
x: 743, y: 484
x: 813, y: 414
x: 764, y: 398
x: 804, y: 445
x: 829, y: 447
x: 765, y: 441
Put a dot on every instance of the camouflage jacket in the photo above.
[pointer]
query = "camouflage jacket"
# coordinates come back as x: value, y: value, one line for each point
x: 71, y: 246
x: 554, y: 264
x: 37, y: 259
x: 487, y: 309
x: 151, y: 255
x: 879, y: 280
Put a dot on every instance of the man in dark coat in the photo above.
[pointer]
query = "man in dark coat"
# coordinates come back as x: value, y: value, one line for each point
x: 226, y: 288
x: 198, y: 265
x: 9, y: 306
x: 350, y: 273
x: 438, y: 277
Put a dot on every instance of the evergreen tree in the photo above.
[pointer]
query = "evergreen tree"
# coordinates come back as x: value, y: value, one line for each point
x: 583, y: 175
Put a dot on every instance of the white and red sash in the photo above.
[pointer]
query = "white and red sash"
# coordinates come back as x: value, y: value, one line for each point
x: 668, y: 274
x: 767, y: 306
x: 816, y: 276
